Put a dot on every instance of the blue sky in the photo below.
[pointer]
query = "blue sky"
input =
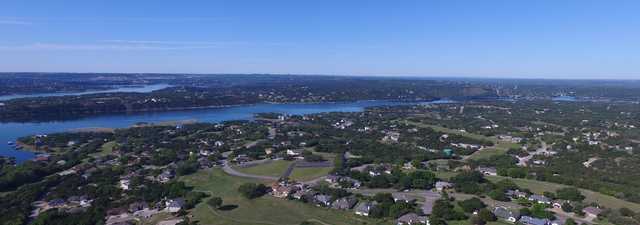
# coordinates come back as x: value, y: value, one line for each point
x: 474, y: 38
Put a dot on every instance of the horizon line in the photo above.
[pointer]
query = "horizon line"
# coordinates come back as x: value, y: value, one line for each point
x: 339, y: 75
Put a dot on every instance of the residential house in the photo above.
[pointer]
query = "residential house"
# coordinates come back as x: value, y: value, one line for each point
x: 174, y: 205
x: 354, y: 184
x: 83, y: 200
x: 294, y: 152
x: 412, y: 219
x: 363, y: 208
x: 506, y: 214
x: 513, y: 194
x: 377, y: 170
x: 344, y: 203
x: 322, y: 200
x: 400, y: 197
x: 489, y: 171
x: 166, y: 176
x: 391, y: 137
x: 299, y: 194
x: 280, y: 191
x: 242, y: 158
x: 124, y: 184
x: 527, y: 220
x: 540, y: 199
x: 374, y: 173
x: 332, y: 179
x: 442, y: 185
x: 137, y: 206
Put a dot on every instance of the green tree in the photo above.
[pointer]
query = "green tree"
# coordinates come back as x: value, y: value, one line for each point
x: 252, y: 190
x: 476, y: 220
x: 215, y: 202
x: 570, y: 193
x: 517, y: 172
x: 626, y: 212
x: 471, y: 205
x: 445, y: 210
x: 540, y: 211
x: 487, y: 215
x: 383, y: 198
x: 498, y: 194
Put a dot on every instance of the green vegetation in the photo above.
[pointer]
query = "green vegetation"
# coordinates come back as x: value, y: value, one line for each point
x: 106, y: 149
x: 215, y: 202
x: 310, y: 173
x: 252, y: 190
x: 260, y: 211
x: 590, y: 196
x: 487, y: 153
x: 273, y: 168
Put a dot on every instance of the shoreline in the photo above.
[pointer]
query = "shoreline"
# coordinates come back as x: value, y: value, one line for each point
x: 29, y: 148
x: 173, y: 109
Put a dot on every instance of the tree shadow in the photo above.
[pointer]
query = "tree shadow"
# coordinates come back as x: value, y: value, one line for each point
x: 227, y: 207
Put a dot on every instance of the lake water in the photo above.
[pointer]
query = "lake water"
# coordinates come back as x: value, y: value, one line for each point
x: 139, y: 89
x: 12, y: 131
x: 564, y: 99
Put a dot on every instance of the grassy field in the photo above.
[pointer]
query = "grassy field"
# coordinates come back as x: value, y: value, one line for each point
x: 591, y: 196
x: 486, y: 153
x: 445, y: 175
x: 274, y: 168
x: 261, y: 211
x: 500, y: 147
x: 454, y: 131
x: 540, y: 186
x: 106, y: 149
x: 306, y: 174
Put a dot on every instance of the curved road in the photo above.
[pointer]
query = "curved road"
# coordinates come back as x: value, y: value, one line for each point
x: 227, y: 169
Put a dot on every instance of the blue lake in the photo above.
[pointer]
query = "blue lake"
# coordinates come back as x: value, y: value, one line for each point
x: 564, y: 99
x: 139, y: 89
x: 12, y: 131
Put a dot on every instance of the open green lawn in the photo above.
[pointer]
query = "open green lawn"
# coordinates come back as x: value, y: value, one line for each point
x: 306, y: 174
x: 106, y: 149
x: 454, y: 131
x: 274, y: 168
x: 445, y: 175
x: 540, y: 186
x: 261, y: 211
x: 500, y: 147
x: 591, y: 196
x: 487, y: 152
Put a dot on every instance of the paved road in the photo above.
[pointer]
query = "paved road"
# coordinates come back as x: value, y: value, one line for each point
x: 289, y: 170
x: 227, y: 169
